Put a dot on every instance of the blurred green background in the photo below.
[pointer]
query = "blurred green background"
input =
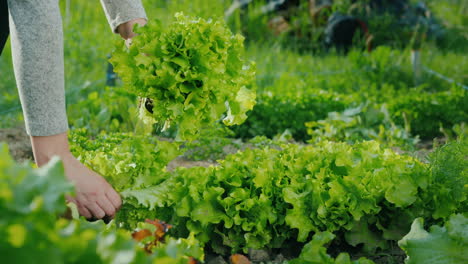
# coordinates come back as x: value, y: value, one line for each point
x: 287, y: 73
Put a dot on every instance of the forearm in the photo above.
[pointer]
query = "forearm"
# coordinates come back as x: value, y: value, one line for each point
x: 45, y: 147
x: 37, y: 51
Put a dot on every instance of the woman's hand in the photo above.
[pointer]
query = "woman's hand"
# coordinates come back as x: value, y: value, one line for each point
x: 95, y: 198
x: 126, y: 29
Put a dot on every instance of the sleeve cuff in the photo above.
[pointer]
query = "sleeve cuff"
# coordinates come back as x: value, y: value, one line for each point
x: 121, y: 11
x: 114, y: 24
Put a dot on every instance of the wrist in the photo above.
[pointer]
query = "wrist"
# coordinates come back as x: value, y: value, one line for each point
x: 46, y: 147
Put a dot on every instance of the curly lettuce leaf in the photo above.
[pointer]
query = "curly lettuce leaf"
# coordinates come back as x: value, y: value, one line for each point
x: 125, y: 160
x: 315, y: 252
x: 193, y: 70
x: 446, y: 244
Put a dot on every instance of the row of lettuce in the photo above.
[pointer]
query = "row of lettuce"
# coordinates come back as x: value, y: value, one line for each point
x: 371, y: 98
x: 273, y: 196
x: 31, y: 231
x: 380, y: 84
x: 265, y: 197
x: 402, y: 115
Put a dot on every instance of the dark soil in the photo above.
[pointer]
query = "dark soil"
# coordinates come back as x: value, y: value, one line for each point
x: 19, y: 146
x: 18, y: 143
x: 389, y: 256
x: 183, y: 162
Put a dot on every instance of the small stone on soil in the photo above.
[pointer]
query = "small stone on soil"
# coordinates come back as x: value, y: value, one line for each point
x: 259, y: 255
x: 217, y: 260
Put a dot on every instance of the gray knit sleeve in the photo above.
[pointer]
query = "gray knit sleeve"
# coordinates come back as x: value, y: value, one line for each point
x: 121, y: 11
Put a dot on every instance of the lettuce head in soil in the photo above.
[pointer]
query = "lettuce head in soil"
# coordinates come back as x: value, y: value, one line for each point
x: 191, y: 72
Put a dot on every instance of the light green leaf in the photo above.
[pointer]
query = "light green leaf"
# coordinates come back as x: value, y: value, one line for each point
x: 436, y: 246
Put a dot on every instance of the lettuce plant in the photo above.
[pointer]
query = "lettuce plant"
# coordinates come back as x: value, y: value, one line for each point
x: 192, y: 70
x: 439, y: 245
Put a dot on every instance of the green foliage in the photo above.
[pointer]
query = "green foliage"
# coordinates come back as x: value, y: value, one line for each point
x: 315, y: 252
x: 454, y: 14
x: 36, y: 193
x: 379, y: 80
x: 449, y: 175
x: 31, y: 232
x: 259, y: 198
x: 126, y: 160
x: 274, y: 113
x: 165, y: 10
x: 111, y: 109
x: 382, y: 67
x: 262, y: 197
x: 447, y: 244
x: 361, y: 123
x: 211, y: 144
x: 30, y: 201
x: 427, y: 112
x: 193, y: 70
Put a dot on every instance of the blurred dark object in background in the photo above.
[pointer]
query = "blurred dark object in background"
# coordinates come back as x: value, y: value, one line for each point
x: 341, y: 30
x: 341, y: 24
x: 4, y: 28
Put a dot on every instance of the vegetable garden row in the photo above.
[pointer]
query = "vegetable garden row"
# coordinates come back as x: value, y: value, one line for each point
x: 276, y: 197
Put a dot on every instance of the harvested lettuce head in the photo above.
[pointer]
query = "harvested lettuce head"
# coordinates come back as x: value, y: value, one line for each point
x: 193, y: 71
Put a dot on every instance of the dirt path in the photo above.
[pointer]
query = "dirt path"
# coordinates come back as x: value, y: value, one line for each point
x: 20, y: 148
x: 18, y: 143
x: 183, y: 162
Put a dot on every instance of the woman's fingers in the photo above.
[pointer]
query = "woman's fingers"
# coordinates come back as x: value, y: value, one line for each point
x: 107, y: 206
x: 97, y: 206
x: 115, y: 199
x: 84, y: 212
x: 81, y: 209
x: 95, y: 197
x: 95, y: 210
